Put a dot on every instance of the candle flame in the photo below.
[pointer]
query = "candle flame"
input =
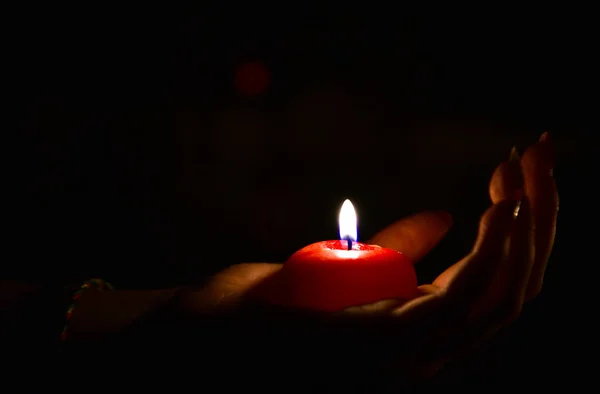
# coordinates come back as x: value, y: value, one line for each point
x: 347, y: 222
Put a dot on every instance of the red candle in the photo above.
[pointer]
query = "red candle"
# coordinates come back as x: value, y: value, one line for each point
x: 333, y: 275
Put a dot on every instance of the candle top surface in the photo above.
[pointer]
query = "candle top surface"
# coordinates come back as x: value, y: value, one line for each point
x: 337, y: 252
x: 343, y: 245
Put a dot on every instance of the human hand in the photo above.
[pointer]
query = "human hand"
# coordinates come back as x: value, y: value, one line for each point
x: 469, y: 301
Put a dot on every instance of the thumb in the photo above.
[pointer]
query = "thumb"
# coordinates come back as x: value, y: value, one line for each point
x: 415, y: 235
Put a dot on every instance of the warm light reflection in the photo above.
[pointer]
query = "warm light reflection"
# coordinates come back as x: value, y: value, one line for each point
x: 347, y: 222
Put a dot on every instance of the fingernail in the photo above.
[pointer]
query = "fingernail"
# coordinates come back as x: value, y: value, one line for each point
x: 514, y: 155
x: 545, y: 137
x: 516, y: 174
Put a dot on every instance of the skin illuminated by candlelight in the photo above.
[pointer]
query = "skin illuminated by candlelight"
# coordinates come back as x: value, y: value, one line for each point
x: 334, y: 275
x: 467, y: 302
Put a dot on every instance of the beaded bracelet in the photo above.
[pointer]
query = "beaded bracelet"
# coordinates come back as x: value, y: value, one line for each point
x: 93, y: 283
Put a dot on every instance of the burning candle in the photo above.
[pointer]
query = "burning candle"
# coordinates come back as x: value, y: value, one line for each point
x: 333, y: 275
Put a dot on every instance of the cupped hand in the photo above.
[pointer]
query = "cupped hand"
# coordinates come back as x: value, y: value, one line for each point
x: 466, y: 303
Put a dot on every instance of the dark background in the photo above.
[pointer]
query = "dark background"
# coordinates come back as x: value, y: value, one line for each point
x: 137, y: 159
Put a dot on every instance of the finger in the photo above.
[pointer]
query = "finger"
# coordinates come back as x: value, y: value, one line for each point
x: 443, y: 317
x: 540, y: 187
x: 494, y: 228
x: 375, y: 308
x: 447, y: 308
x: 415, y: 235
x: 477, y: 270
x: 518, y: 268
x: 507, y: 180
x: 387, y: 306
x: 506, y: 184
x: 228, y: 287
x: 247, y: 274
x: 428, y: 289
x: 449, y: 273
x: 503, y: 300
x: 436, y: 320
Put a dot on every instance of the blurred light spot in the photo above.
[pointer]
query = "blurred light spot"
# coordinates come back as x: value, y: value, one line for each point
x: 251, y: 79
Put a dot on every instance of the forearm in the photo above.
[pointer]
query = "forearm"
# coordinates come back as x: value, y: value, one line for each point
x: 33, y: 315
x: 100, y: 313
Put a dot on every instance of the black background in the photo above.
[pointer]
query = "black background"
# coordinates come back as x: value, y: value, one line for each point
x: 136, y: 159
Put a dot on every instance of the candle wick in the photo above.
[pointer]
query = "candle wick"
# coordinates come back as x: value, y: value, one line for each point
x: 349, y: 243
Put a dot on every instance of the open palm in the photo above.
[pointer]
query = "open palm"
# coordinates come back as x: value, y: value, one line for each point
x: 472, y: 298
